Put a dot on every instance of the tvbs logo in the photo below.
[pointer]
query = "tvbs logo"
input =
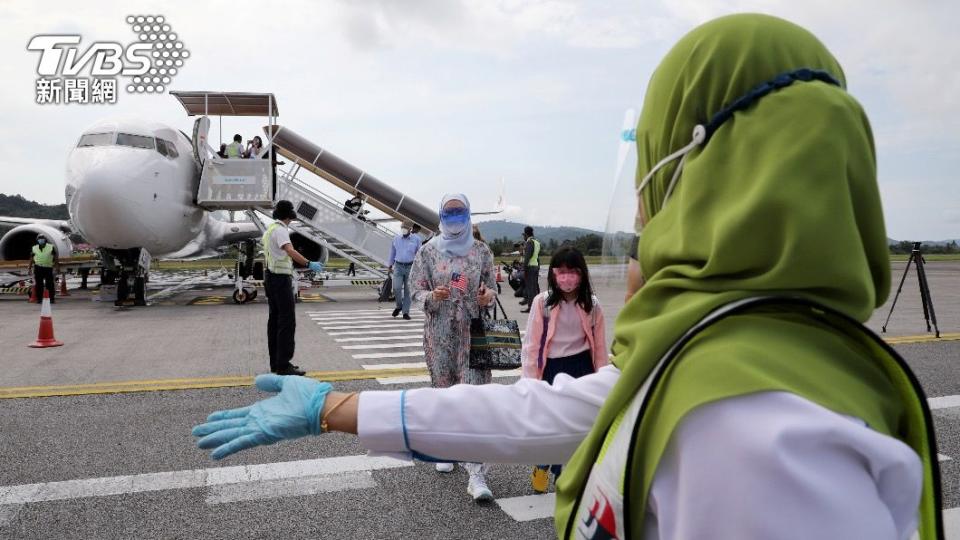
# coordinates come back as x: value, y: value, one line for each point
x: 148, y: 64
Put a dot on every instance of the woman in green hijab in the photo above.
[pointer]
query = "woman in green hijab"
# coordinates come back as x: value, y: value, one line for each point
x: 746, y: 400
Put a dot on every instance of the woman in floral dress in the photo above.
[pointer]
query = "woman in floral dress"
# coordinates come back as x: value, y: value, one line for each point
x: 452, y: 278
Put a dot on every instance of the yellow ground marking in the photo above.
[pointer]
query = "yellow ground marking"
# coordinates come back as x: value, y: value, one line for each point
x: 925, y: 338
x: 313, y: 298
x: 207, y: 301
x: 13, y: 392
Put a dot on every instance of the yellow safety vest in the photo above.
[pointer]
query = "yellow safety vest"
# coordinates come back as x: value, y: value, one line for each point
x: 43, y: 256
x: 280, y: 265
x: 234, y: 150
x: 535, y: 257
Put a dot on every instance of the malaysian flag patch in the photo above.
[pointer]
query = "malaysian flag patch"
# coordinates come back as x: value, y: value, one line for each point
x: 458, y: 281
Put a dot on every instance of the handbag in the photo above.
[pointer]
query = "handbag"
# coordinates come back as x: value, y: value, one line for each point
x: 494, y: 343
x: 386, y: 290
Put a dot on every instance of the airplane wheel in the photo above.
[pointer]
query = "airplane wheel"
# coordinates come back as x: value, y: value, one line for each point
x: 239, y: 297
x: 140, y: 291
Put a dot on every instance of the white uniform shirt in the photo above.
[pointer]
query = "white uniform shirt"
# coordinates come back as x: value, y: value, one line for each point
x: 279, y: 238
x: 766, y: 465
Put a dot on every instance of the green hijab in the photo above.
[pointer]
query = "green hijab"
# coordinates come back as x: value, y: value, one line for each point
x: 783, y: 199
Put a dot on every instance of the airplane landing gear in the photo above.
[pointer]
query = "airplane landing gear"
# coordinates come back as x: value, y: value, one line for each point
x: 244, y: 295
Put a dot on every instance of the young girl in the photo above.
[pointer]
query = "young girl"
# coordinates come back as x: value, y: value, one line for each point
x: 565, y: 332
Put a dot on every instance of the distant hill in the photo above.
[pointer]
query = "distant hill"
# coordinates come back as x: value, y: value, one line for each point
x: 494, y: 230
x: 17, y: 206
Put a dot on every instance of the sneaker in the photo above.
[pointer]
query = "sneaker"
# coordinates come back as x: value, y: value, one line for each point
x: 477, y: 488
x: 540, y: 480
x: 406, y: 316
x: 289, y: 370
x: 396, y: 312
x: 444, y: 467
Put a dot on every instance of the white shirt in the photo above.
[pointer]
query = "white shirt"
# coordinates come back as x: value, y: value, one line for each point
x: 737, y: 468
x: 279, y: 238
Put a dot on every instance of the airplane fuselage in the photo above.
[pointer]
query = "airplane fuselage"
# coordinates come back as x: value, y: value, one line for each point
x: 131, y: 184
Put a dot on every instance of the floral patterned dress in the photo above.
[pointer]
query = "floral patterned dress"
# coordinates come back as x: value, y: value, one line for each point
x: 446, y: 329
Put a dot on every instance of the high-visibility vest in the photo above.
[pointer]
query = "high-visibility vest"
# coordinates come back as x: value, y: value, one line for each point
x: 535, y: 257
x: 43, y: 256
x: 234, y: 150
x: 276, y: 265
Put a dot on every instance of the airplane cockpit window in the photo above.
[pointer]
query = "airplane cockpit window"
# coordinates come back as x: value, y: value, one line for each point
x: 95, y: 139
x: 136, y: 141
x: 167, y: 148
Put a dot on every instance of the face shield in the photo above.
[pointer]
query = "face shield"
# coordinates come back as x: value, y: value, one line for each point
x: 625, y: 217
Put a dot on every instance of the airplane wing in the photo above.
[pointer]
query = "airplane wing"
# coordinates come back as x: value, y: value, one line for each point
x: 60, y: 224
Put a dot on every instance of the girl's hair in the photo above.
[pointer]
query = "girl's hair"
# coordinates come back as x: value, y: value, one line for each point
x: 570, y: 257
x: 258, y: 140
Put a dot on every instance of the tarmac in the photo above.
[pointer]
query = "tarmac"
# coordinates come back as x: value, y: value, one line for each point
x: 95, y: 435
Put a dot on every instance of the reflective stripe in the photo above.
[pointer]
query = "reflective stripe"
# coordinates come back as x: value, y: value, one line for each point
x: 282, y: 265
x: 43, y: 256
x: 535, y: 257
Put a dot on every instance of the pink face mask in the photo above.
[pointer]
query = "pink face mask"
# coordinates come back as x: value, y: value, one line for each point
x: 567, y: 281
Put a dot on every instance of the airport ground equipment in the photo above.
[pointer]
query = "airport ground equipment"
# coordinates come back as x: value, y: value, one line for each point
x: 252, y: 185
x: 926, y: 299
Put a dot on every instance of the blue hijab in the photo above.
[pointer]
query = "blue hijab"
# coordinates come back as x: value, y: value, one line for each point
x: 456, y: 235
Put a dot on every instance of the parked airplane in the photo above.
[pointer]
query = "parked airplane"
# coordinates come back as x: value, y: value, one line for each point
x: 131, y: 190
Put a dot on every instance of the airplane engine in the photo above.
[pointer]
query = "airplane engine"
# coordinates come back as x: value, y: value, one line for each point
x: 16, y: 245
x: 308, y: 248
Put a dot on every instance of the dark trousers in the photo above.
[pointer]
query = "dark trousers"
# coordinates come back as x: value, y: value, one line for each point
x: 282, y: 321
x: 576, y: 366
x: 531, y: 283
x: 43, y: 277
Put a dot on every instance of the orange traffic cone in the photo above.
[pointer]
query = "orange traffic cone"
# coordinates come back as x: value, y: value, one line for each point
x: 63, y: 285
x: 45, y: 335
x: 499, y: 275
x: 33, y: 294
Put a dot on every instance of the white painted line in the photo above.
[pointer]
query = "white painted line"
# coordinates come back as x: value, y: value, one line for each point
x: 529, y: 507
x: 412, y: 325
x: 426, y: 378
x: 941, y: 458
x: 372, y: 356
x: 375, y: 332
x: 408, y: 365
x: 951, y: 523
x: 120, y: 485
x: 290, y: 487
x: 384, y: 345
x: 379, y: 338
x: 385, y: 309
x: 335, y: 320
x: 944, y: 402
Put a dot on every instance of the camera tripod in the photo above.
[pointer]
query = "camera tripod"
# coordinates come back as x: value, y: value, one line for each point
x: 916, y: 257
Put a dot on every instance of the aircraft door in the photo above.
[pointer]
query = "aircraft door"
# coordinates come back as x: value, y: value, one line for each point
x: 201, y: 128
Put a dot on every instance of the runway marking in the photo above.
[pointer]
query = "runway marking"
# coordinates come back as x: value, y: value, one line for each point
x: 384, y: 345
x: 378, y: 338
x: 529, y: 507
x: 944, y: 402
x: 923, y: 338
x: 382, y: 367
x: 409, y: 379
x: 350, y: 312
x: 8, y: 513
x: 371, y: 319
x: 401, y: 324
x: 121, y: 387
x: 941, y: 458
x: 376, y: 332
x: 372, y: 356
x: 217, y: 476
x: 290, y: 487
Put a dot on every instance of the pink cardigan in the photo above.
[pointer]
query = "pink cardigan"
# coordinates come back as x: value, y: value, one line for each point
x: 593, y: 326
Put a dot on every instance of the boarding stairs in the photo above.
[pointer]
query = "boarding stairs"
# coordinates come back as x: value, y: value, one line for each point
x: 323, y: 220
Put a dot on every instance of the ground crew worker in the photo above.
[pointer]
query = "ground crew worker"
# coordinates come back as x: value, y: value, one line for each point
x: 235, y: 149
x: 278, y: 285
x: 43, y: 264
x: 745, y: 398
x: 531, y: 271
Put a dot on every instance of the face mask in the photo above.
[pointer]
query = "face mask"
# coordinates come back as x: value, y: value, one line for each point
x: 405, y: 231
x: 454, y: 227
x: 41, y: 241
x: 567, y: 281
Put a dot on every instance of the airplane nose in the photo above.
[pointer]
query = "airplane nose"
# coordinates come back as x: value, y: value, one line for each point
x: 101, y: 206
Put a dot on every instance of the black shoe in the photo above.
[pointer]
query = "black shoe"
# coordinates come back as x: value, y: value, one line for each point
x: 290, y: 370
x: 523, y: 302
x: 406, y: 316
x: 396, y: 312
x: 525, y: 310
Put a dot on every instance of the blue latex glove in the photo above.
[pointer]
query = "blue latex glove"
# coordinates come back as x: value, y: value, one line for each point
x: 292, y: 413
x: 315, y: 266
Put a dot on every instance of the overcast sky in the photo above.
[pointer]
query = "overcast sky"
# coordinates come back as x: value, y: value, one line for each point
x: 435, y: 96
